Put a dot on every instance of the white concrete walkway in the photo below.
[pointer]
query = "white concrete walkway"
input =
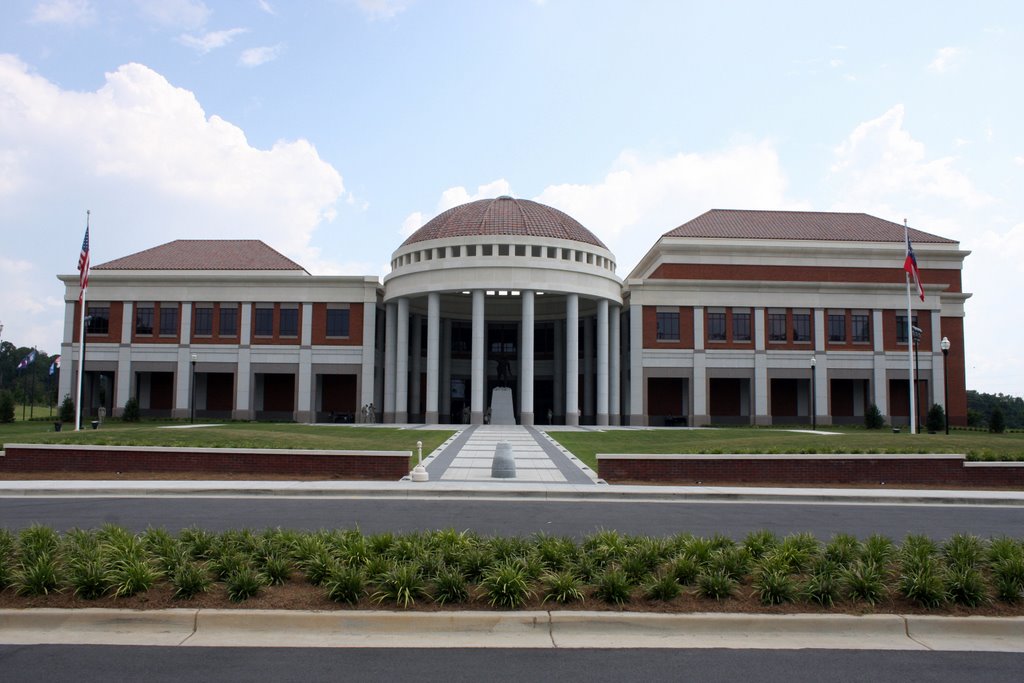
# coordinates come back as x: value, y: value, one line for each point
x: 473, y: 461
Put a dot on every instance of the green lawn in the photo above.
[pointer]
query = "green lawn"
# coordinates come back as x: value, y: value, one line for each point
x: 231, y: 435
x: 977, y: 445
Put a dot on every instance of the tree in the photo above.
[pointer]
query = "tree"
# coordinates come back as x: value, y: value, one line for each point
x: 873, y: 418
x: 936, y: 419
x: 131, y: 410
x: 996, y: 421
x: 67, y: 409
x: 6, y: 406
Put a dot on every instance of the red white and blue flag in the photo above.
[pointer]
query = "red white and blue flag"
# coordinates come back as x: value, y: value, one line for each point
x: 83, y: 266
x: 55, y: 365
x: 910, y: 265
x: 27, y: 360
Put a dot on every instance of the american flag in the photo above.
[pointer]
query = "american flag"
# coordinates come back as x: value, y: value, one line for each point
x: 910, y: 265
x: 83, y: 266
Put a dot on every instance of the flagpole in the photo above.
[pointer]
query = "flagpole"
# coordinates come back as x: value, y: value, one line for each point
x: 81, y: 346
x: 910, y: 343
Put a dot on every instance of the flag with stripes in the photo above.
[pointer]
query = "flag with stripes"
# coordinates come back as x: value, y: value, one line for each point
x: 83, y: 266
x: 910, y: 265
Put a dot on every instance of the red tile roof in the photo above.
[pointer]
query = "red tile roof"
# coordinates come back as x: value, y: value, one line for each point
x: 504, y: 216
x: 205, y: 255
x: 798, y: 225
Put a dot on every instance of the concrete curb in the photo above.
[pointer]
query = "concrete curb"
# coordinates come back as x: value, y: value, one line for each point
x: 531, y: 629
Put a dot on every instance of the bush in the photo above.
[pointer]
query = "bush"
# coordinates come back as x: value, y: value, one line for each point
x: 923, y: 582
x: 873, y: 418
x: 450, y: 586
x: 865, y: 581
x: 401, y: 585
x: 189, y: 580
x: 996, y: 421
x: 6, y: 406
x: 613, y: 587
x: 131, y: 410
x: 67, y: 409
x: 936, y: 419
x: 506, y: 586
x: 715, y: 584
x: 664, y: 588
x: 345, y: 584
x: 563, y: 587
x: 244, y: 584
x: 775, y: 586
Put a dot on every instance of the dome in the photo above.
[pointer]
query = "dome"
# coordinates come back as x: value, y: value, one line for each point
x: 504, y: 216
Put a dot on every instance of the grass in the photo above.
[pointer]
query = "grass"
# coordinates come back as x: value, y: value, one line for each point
x: 976, y: 445
x: 230, y: 435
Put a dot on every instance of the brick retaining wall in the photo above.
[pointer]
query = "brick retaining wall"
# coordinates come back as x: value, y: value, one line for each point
x: 801, y: 469
x: 375, y: 465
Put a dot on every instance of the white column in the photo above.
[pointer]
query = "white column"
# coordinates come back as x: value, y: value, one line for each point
x: 526, y: 363
x: 588, y: 368
x: 243, y: 373
x: 821, y: 386
x: 183, y: 375
x: 402, y: 361
x: 938, y: 382
x: 879, y: 377
x: 614, y: 358
x: 304, y: 403
x: 433, y: 344
x: 446, y: 368
x: 572, y: 359
x: 416, y: 367
x: 636, y: 366
x: 602, y: 362
x: 558, y: 369
x: 477, y: 365
x: 369, y: 355
x: 390, y: 339
x: 124, y: 360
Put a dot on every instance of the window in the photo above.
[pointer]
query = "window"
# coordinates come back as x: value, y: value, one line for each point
x: 741, y: 326
x: 144, y: 320
x: 668, y: 326
x: 901, y: 328
x: 99, y: 319
x: 836, y: 327
x: 861, y: 327
x: 462, y: 338
x: 264, y: 322
x: 337, y: 322
x: 716, y: 326
x: 204, y: 321
x: 289, y: 322
x: 502, y: 338
x: 777, y: 327
x: 228, y: 321
x: 544, y: 339
x: 801, y: 327
x: 168, y: 321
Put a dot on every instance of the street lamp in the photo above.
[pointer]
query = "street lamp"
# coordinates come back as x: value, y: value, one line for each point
x: 917, y: 381
x: 814, y: 393
x: 944, y: 345
x: 192, y: 415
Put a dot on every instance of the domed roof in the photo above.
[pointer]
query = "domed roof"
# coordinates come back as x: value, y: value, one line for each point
x: 504, y: 216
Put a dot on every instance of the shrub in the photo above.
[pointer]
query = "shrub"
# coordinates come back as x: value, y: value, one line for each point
x: 6, y: 406
x: 923, y: 582
x: 935, y: 420
x: 822, y: 586
x: 39, y: 576
x: 450, y: 585
x: 760, y: 542
x: 775, y: 586
x: 88, y: 576
x: 684, y: 570
x: 131, y: 410
x: 1008, y: 578
x: 715, y: 584
x: 1004, y: 548
x: 864, y: 581
x: 877, y: 549
x: 506, y: 586
x: 189, y: 579
x: 963, y: 551
x: 734, y: 561
x: 996, y: 421
x: 345, y: 583
x: 873, y: 418
x: 843, y: 549
x: 277, y: 568
x: 402, y: 584
x: 613, y: 587
x: 563, y: 587
x: 129, y: 576
x: 244, y: 584
x: 966, y: 586
x: 663, y: 587
x: 67, y: 409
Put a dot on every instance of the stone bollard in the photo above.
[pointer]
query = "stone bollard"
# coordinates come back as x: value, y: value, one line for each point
x: 504, y: 463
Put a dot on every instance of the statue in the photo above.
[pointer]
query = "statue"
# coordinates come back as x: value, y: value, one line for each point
x: 504, y: 371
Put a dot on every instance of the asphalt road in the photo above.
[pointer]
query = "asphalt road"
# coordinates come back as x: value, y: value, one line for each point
x: 155, y: 664
x: 511, y: 517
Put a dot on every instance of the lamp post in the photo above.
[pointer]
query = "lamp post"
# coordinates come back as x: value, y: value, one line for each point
x: 916, y: 418
x: 814, y: 393
x: 944, y: 345
x: 192, y: 403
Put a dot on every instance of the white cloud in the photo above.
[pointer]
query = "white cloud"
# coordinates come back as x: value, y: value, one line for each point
x: 187, y: 14
x: 455, y: 196
x: 210, y: 40
x: 880, y: 160
x: 382, y: 9
x: 266, y: 6
x: 63, y: 12
x: 413, y: 222
x: 945, y: 59
x: 835, y: 63
x: 1019, y: 160
x: 255, y: 56
x: 152, y: 166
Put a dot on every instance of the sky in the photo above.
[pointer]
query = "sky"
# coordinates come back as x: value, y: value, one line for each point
x: 332, y: 129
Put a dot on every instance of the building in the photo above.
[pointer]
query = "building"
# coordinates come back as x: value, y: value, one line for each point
x: 751, y: 317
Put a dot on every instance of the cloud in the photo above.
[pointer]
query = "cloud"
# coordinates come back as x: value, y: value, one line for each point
x: 1019, y: 160
x: 413, y: 222
x: 266, y: 7
x: 152, y: 166
x: 70, y: 12
x: 256, y: 56
x: 187, y: 14
x: 880, y: 161
x: 210, y: 40
x: 382, y: 9
x: 455, y: 196
x: 945, y: 59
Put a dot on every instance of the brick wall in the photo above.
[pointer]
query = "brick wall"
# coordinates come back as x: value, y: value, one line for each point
x: 380, y: 466
x: 802, y: 470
